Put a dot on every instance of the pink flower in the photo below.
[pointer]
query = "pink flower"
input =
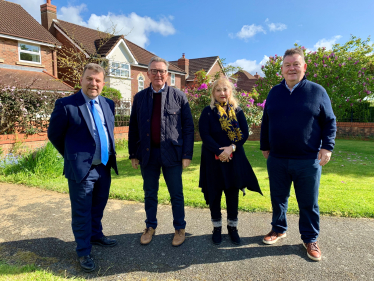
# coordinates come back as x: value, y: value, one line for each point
x: 315, y: 75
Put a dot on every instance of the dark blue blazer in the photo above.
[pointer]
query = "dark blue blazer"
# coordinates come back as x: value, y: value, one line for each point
x: 71, y: 133
x: 177, y: 129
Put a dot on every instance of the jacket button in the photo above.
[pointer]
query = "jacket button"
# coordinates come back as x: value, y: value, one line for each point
x: 147, y: 135
x: 147, y: 149
x: 94, y: 144
x: 90, y: 157
x: 147, y: 120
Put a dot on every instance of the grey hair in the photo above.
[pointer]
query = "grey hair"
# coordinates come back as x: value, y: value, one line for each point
x: 232, y: 99
x: 95, y: 67
x: 294, y: 51
x: 158, y: 59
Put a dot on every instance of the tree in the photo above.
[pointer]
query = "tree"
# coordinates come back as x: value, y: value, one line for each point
x: 346, y: 72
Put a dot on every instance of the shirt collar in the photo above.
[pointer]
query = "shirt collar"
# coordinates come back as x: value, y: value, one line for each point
x: 88, y: 99
x: 294, y: 87
x: 163, y: 87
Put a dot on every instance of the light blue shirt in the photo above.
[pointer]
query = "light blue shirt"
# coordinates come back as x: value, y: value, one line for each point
x: 163, y: 87
x: 294, y: 87
x: 97, y: 156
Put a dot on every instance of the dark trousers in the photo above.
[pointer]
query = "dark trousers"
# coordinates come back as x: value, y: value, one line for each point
x: 232, y: 201
x: 305, y: 175
x: 173, y: 178
x: 88, y: 200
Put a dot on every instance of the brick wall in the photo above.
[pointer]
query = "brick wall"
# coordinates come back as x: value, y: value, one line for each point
x: 9, y: 53
x: 216, y: 67
x: 345, y: 130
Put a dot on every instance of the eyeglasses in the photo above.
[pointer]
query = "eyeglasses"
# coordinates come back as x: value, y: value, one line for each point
x: 161, y: 71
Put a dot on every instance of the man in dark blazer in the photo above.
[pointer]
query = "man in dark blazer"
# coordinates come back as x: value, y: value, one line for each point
x: 161, y: 136
x: 81, y: 129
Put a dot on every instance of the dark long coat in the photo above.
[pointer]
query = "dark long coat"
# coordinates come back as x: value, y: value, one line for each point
x: 214, y: 174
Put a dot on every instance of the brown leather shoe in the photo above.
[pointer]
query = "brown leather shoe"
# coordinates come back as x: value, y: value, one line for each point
x: 179, y: 237
x: 313, y: 251
x: 147, y: 236
x: 273, y: 237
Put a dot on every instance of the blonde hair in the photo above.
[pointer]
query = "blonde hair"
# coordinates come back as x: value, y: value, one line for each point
x: 232, y: 99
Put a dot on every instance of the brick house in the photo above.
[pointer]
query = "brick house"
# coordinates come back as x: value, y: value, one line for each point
x: 245, y: 81
x: 128, y: 63
x: 28, y: 52
x: 211, y: 65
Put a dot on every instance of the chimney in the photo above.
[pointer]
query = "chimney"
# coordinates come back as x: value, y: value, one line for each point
x: 256, y: 76
x: 184, y: 64
x: 48, y: 13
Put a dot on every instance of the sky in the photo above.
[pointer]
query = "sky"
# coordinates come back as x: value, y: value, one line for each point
x: 243, y: 32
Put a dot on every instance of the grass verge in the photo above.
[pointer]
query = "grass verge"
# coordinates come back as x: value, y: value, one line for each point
x: 346, y: 184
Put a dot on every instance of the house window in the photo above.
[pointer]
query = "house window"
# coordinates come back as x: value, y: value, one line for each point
x: 140, y: 83
x: 172, y: 80
x: 29, y: 53
x: 120, y: 69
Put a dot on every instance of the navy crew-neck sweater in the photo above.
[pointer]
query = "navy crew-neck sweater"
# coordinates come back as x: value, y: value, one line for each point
x: 297, y: 125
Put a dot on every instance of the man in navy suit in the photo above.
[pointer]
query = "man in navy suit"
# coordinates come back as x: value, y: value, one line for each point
x: 81, y: 129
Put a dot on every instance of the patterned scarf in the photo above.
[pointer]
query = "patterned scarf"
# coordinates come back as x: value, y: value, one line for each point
x: 229, y: 123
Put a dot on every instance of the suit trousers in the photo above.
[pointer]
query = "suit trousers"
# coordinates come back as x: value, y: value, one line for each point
x: 88, y: 200
x: 173, y: 178
x: 305, y: 175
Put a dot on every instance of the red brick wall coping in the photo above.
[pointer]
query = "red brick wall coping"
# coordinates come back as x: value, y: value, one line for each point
x: 355, y: 124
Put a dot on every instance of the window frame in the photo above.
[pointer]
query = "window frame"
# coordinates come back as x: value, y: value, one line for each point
x: 113, y: 70
x: 29, y: 52
x: 172, y: 78
x: 143, y: 80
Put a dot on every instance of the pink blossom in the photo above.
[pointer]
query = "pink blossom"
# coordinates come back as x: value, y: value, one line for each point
x: 315, y: 75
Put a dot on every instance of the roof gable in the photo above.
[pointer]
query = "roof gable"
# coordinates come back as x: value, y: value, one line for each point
x: 90, y: 40
x: 15, y: 21
x: 198, y: 64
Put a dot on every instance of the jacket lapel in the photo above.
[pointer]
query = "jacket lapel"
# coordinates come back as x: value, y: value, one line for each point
x: 81, y: 102
x: 107, y: 111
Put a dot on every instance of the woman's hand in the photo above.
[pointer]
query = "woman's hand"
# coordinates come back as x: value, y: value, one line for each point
x: 225, y: 155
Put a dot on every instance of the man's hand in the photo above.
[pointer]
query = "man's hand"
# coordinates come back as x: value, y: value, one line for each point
x: 135, y: 163
x: 186, y: 163
x: 324, y: 155
x: 266, y: 153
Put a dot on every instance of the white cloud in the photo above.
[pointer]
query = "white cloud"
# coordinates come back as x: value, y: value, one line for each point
x: 72, y: 14
x: 275, y: 26
x: 136, y: 28
x: 325, y: 43
x: 248, y: 31
x: 31, y: 6
x: 251, y: 65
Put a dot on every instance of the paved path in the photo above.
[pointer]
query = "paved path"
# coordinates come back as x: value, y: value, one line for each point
x: 35, y: 228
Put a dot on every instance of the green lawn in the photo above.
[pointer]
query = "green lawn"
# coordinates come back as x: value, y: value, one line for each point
x: 347, y: 183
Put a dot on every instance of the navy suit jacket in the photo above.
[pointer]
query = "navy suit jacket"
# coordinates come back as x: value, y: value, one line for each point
x: 71, y: 133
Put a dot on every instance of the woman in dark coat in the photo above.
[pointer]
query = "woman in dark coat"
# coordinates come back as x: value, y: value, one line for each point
x: 224, y: 166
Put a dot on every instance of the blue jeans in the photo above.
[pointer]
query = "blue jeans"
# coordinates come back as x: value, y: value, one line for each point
x: 88, y: 200
x: 305, y: 175
x: 173, y: 179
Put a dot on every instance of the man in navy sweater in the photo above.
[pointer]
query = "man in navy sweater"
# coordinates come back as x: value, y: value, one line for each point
x: 297, y: 137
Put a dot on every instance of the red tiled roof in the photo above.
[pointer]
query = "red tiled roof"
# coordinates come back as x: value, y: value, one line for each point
x: 89, y: 40
x: 15, y: 21
x: 32, y: 79
x: 199, y: 64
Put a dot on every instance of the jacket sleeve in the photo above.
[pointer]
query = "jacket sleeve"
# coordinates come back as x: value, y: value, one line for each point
x: 133, y: 129
x: 187, y: 129
x: 264, y: 136
x: 243, y: 127
x: 328, y: 123
x: 204, y: 130
x: 57, y: 128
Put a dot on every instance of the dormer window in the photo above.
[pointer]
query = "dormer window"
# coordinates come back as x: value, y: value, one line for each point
x: 29, y: 53
x: 120, y: 69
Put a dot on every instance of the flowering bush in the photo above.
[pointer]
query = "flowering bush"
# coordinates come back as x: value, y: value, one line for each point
x: 346, y: 72
x: 199, y: 97
x: 25, y: 110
